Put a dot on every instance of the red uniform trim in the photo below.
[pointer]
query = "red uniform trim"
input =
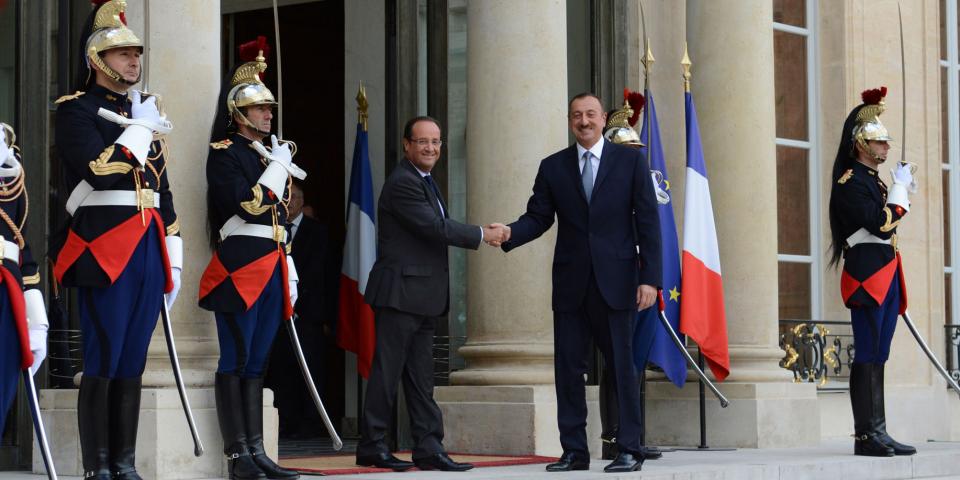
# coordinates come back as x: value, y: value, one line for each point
x: 903, y: 285
x: 249, y: 280
x: 877, y: 285
x: 19, y: 309
x: 113, y: 249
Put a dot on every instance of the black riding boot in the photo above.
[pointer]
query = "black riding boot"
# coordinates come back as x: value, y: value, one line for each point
x: 94, y: 422
x: 240, y: 464
x: 864, y: 417
x: 253, y: 415
x: 898, y: 448
x: 609, y: 415
x: 124, y: 419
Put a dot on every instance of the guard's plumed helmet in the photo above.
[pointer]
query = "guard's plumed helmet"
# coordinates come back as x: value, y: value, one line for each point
x: 246, y: 86
x: 868, y: 126
x: 619, y: 128
x: 108, y: 31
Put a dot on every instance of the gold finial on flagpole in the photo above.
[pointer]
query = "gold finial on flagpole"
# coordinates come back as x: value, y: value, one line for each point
x: 362, y: 106
x: 685, y: 63
x: 647, y: 62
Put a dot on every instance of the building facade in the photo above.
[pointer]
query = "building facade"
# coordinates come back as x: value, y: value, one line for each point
x: 773, y: 81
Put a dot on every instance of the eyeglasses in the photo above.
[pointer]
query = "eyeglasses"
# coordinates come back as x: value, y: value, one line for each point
x: 423, y: 142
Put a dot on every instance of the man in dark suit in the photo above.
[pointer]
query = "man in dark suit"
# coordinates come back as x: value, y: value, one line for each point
x: 408, y: 289
x: 606, y: 266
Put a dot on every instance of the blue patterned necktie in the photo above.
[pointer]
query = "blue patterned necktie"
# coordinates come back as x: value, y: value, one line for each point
x: 587, y: 176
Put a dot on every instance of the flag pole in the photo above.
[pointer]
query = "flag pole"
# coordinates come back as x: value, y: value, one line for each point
x: 685, y: 64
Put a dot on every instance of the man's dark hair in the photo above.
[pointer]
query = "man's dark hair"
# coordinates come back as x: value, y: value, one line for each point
x: 582, y: 95
x: 408, y: 128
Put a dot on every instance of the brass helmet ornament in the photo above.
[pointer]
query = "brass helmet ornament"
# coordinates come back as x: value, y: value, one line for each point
x: 247, y: 87
x: 619, y: 128
x: 868, y: 126
x: 110, y: 31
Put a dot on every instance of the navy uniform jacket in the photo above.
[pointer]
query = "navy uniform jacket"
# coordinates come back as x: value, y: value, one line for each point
x: 859, y: 200
x: 600, y: 237
x: 241, y: 264
x: 85, y: 143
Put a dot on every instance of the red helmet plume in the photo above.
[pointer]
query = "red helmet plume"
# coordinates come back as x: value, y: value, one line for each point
x: 874, y: 95
x: 249, y: 50
x: 637, y: 101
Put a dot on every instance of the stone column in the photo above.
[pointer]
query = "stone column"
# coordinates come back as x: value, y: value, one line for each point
x: 504, y: 401
x: 731, y: 46
x: 184, y: 68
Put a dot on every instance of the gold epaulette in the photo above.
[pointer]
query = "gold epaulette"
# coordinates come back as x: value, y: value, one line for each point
x: 846, y: 176
x: 221, y: 145
x: 67, y: 98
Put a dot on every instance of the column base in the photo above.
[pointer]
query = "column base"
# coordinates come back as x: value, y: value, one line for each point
x: 164, y: 444
x: 760, y: 415
x: 509, y: 420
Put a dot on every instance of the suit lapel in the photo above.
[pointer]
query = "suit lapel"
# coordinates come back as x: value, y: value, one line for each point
x: 573, y: 168
x: 431, y: 197
x: 606, y: 164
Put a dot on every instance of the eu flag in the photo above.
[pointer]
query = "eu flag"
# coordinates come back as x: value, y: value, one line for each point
x: 663, y: 352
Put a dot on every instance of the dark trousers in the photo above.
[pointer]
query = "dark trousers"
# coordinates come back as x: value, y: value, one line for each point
x: 118, y: 321
x: 873, y: 327
x: 613, y: 332
x: 9, y: 357
x: 245, y: 338
x: 404, y: 351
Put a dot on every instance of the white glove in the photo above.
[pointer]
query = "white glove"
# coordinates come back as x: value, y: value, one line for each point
x: 281, y: 154
x: 37, y: 325
x: 292, y: 279
x: 172, y: 296
x: 902, y: 174
x: 144, y: 110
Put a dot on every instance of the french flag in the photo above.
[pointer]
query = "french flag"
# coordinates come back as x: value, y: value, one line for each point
x: 355, y: 326
x: 702, y: 315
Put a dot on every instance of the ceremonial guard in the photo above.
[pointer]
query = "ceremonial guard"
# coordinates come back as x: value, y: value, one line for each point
x: 23, y: 318
x: 121, y: 250
x: 250, y: 283
x: 864, y: 214
x: 620, y: 130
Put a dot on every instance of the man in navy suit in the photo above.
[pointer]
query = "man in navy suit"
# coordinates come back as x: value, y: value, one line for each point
x: 606, y: 267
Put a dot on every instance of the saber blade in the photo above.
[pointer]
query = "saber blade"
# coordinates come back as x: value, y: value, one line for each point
x: 38, y: 425
x: 926, y: 349
x: 690, y: 361
x: 178, y: 376
x: 308, y: 378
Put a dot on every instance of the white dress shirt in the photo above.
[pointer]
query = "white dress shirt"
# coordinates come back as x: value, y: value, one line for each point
x: 296, y: 225
x: 595, y: 152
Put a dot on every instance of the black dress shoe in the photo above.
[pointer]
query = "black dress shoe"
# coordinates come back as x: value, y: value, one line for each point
x: 650, y: 453
x: 568, y: 462
x: 383, y: 460
x: 441, y: 461
x: 625, y: 462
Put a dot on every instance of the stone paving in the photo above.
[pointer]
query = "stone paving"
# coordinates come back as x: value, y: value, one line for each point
x: 832, y: 459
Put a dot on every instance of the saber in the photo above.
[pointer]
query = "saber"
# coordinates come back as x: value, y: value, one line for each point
x: 295, y: 340
x: 144, y: 81
x: 926, y: 349
x: 38, y: 424
x: 276, y: 31
x: 178, y: 376
x: 693, y: 364
x: 903, y: 93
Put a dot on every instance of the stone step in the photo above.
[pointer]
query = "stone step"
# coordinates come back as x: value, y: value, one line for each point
x: 832, y: 459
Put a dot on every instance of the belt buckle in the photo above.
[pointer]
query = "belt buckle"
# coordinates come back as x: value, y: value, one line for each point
x: 146, y: 198
x: 278, y: 232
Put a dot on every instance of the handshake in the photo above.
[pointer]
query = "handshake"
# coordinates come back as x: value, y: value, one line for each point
x: 495, y: 234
